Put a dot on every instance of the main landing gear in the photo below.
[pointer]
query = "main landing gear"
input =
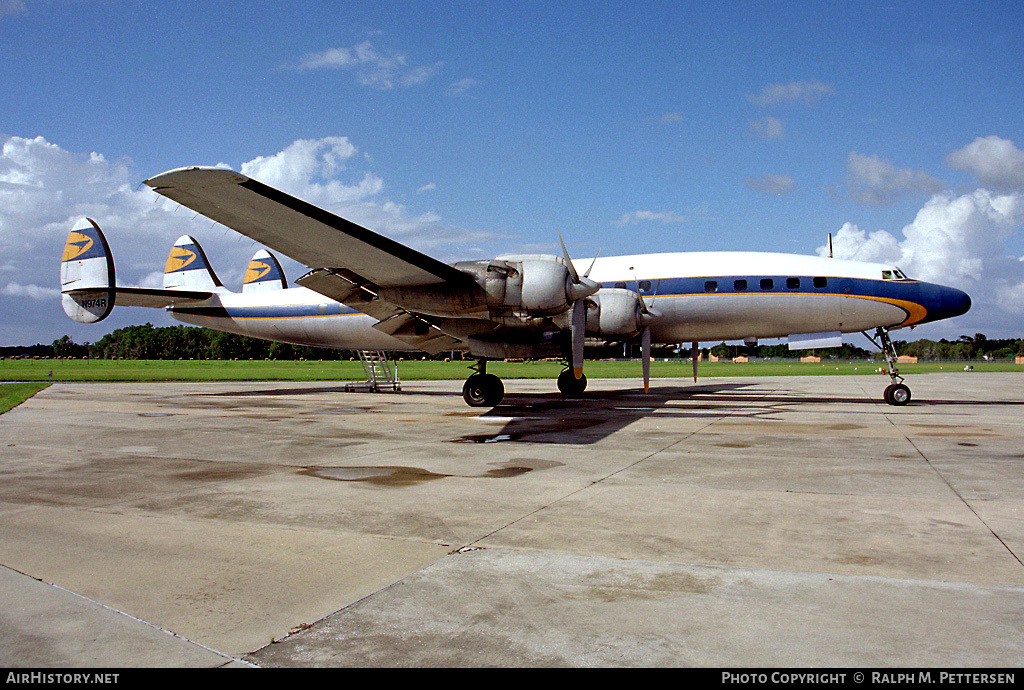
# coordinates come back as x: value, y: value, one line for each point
x: 568, y: 384
x: 896, y: 393
x: 482, y: 389
x: 486, y: 390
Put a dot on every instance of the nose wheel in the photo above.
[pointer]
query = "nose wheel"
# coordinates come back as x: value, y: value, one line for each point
x: 896, y: 393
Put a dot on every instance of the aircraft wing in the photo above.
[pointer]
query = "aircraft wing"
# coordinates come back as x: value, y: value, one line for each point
x: 350, y: 263
x: 300, y: 230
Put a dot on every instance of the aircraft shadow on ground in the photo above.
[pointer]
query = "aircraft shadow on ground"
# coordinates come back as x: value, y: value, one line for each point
x: 549, y: 417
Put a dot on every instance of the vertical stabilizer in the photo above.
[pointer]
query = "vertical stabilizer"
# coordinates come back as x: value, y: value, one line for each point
x: 264, y: 273
x: 87, y: 274
x: 188, y: 269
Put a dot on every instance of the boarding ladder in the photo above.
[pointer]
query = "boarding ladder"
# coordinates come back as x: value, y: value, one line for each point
x: 381, y: 373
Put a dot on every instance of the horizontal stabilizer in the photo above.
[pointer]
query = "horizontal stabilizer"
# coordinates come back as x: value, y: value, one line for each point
x: 263, y: 273
x: 808, y: 341
x: 157, y: 297
x: 139, y: 297
x: 87, y: 274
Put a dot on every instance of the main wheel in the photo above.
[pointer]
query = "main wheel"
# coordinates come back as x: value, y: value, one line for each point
x: 570, y: 385
x: 898, y: 395
x: 483, y: 390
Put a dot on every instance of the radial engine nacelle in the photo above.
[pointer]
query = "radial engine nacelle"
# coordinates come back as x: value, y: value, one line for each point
x: 539, y: 285
x: 618, y: 312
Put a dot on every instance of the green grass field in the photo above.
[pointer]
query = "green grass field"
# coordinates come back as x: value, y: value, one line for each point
x: 33, y: 375
x: 13, y: 394
x: 418, y: 370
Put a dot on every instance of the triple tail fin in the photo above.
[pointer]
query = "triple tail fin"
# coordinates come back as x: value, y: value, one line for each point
x: 188, y: 269
x: 264, y: 273
x: 87, y: 274
x: 89, y: 290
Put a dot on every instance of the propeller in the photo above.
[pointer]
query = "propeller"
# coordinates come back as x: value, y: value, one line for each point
x: 645, y: 354
x: 578, y: 291
x: 648, y: 316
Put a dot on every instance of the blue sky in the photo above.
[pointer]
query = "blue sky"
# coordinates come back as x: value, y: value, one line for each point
x: 474, y: 129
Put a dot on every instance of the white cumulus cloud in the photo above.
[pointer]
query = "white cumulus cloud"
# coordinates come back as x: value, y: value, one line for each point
x: 958, y: 240
x: 871, y: 180
x: 994, y: 161
x: 44, y: 189
x: 306, y: 168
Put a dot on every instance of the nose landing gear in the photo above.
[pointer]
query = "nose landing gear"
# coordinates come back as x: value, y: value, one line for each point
x: 896, y: 393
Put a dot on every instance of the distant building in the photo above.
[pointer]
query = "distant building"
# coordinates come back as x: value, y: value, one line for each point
x: 906, y: 359
x: 810, y: 358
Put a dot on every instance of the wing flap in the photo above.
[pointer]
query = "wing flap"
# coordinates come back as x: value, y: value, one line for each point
x: 418, y: 332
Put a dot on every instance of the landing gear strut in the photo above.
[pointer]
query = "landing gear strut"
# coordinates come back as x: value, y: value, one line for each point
x: 896, y: 393
x: 482, y: 389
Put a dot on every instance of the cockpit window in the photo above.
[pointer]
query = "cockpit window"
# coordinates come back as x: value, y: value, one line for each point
x: 894, y: 274
x: 886, y: 275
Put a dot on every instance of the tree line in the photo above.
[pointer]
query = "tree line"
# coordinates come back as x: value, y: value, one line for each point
x: 176, y: 342
x: 190, y: 342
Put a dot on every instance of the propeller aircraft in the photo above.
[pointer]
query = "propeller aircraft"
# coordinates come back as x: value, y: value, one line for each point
x: 365, y: 291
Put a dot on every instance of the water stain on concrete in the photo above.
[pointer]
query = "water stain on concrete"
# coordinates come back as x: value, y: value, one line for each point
x: 399, y: 476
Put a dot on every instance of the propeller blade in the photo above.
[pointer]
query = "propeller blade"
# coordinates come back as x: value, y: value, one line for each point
x: 578, y: 327
x: 645, y: 354
x: 694, y: 353
x: 587, y: 274
x: 568, y: 261
x: 580, y: 287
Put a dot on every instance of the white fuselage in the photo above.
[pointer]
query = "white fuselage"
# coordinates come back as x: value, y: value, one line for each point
x: 702, y: 296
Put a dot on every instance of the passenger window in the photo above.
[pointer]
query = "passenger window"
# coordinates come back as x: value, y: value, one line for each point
x: 820, y: 282
x: 711, y: 286
x: 767, y: 284
x: 645, y: 286
x: 739, y: 285
x: 620, y: 285
x: 793, y: 283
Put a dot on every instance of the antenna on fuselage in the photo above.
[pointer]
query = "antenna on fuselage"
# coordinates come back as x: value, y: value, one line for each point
x: 830, y: 245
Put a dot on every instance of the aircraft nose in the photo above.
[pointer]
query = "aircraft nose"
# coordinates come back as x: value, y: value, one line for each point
x: 947, y: 302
